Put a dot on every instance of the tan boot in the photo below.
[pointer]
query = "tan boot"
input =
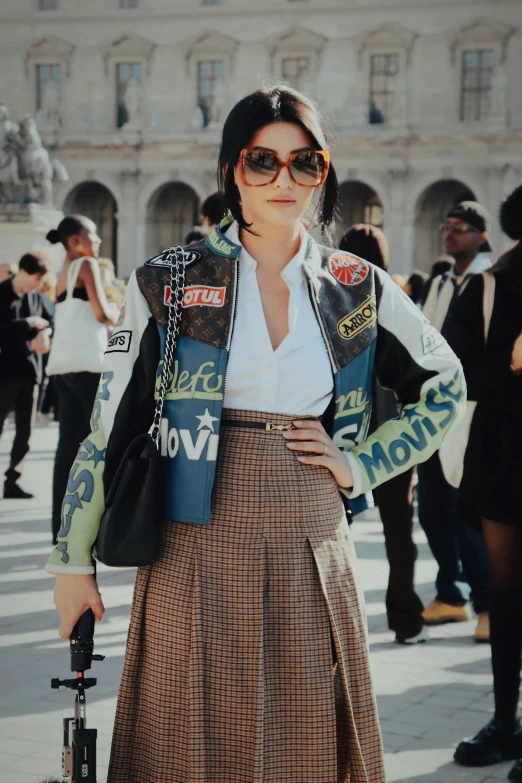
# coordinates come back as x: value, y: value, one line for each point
x: 482, y: 629
x: 438, y: 613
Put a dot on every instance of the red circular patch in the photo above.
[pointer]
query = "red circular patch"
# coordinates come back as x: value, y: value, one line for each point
x: 348, y: 269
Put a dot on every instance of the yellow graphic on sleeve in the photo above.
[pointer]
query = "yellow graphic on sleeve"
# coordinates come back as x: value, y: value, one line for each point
x: 414, y: 437
x: 83, y: 504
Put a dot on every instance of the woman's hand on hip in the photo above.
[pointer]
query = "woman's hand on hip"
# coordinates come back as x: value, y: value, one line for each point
x: 73, y: 595
x: 311, y: 436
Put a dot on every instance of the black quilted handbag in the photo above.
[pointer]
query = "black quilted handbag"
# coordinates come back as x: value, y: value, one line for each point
x: 133, y: 507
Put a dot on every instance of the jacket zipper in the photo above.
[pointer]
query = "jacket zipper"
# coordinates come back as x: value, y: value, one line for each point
x: 315, y: 304
x: 229, y: 342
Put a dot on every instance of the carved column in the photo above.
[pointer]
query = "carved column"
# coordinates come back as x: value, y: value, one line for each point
x: 131, y: 225
x: 399, y: 226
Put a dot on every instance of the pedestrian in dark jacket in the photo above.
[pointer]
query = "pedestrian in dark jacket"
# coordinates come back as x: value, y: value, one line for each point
x: 395, y: 497
x: 24, y: 322
x: 489, y: 495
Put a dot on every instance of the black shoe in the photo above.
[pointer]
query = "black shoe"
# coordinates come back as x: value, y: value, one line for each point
x: 15, y: 492
x: 493, y: 743
x: 515, y: 774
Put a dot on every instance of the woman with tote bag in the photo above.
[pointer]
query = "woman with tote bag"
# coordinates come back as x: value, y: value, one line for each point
x: 80, y: 338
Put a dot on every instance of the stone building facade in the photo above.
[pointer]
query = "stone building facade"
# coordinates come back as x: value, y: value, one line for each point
x: 423, y: 97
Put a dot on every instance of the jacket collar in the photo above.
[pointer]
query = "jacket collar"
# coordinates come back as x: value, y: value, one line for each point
x: 219, y: 243
x: 479, y: 264
x: 225, y: 246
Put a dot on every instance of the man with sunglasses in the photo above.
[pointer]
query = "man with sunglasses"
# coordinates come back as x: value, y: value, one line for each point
x: 458, y: 549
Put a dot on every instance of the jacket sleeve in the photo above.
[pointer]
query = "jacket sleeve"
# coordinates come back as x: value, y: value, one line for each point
x: 414, y: 360
x: 113, y: 416
x: 16, y: 330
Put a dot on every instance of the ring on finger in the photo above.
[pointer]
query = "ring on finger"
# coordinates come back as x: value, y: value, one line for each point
x: 325, y: 450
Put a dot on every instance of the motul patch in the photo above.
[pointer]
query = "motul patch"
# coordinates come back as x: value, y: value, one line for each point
x: 348, y: 269
x: 210, y: 296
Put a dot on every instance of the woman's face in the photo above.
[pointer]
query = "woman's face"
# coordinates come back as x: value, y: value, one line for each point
x: 283, y: 202
x: 87, y: 242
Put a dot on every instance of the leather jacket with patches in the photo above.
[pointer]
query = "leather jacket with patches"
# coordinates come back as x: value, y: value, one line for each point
x: 370, y: 328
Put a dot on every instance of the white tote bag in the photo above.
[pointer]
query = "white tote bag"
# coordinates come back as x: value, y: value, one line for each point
x: 79, y: 339
x: 454, y: 445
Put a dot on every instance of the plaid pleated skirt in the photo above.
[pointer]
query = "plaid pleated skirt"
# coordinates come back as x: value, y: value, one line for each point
x: 247, y: 657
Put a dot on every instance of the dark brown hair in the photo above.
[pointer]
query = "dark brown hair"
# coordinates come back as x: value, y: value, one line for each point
x: 263, y: 107
x: 368, y: 242
x: 214, y: 208
x: 34, y: 264
x: 511, y: 214
x: 68, y: 227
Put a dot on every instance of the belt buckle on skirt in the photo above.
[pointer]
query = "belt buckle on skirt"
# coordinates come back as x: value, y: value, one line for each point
x: 269, y: 426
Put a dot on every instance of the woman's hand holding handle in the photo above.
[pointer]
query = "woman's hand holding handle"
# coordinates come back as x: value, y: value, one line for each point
x: 73, y: 595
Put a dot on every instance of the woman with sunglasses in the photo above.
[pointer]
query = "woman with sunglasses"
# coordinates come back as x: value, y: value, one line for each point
x: 247, y: 655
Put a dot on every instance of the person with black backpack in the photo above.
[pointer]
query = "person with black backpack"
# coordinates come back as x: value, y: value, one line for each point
x: 459, y: 550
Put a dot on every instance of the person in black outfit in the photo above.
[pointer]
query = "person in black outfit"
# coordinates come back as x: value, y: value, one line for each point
x: 75, y: 391
x: 395, y: 497
x: 24, y: 323
x: 489, y: 495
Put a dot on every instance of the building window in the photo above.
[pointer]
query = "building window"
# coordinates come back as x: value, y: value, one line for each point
x: 48, y: 88
x: 128, y: 3
x: 383, y: 72
x: 48, y: 5
x: 294, y: 70
x: 210, y: 73
x: 128, y: 86
x: 477, y: 75
x: 211, y: 2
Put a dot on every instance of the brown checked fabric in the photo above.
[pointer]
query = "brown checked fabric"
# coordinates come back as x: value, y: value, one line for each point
x: 247, y: 657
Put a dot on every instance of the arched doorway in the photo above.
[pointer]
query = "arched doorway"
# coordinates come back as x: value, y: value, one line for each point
x: 96, y: 202
x: 432, y: 208
x: 172, y: 211
x: 358, y: 203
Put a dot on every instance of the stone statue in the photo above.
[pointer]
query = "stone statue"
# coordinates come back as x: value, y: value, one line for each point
x: 8, y: 147
x: 26, y: 170
x: 198, y: 118
x: 50, y: 111
x: 218, y: 111
x: 132, y: 101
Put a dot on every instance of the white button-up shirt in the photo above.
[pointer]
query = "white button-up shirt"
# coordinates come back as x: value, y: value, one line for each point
x: 296, y: 378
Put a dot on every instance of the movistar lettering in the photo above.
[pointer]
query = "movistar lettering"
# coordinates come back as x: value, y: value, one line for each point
x: 172, y: 439
x: 399, y: 452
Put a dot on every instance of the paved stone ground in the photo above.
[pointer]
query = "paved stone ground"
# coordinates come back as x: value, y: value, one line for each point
x: 429, y: 695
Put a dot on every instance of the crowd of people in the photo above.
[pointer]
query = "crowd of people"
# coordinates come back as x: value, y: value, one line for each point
x: 472, y: 521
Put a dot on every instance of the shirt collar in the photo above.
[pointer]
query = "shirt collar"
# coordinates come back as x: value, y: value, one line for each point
x: 292, y: 274
x: 479, y: 264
